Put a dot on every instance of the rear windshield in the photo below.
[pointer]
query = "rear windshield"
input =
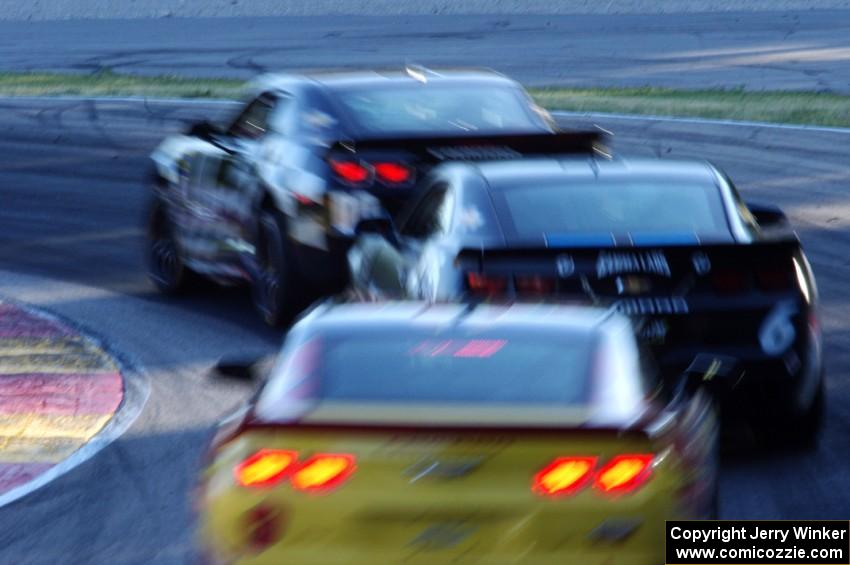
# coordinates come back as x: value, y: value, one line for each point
x: 439, y: 109
x: 447, y: 367
x: 689, y: 210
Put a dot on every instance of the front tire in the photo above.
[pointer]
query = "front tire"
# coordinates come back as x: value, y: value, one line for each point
x: 278, y: 288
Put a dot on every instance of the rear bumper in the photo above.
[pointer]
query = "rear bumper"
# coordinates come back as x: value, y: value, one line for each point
x: 766, y: 385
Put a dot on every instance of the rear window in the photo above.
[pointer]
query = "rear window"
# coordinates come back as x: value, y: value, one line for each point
x: 464, y: 367
x: 653, y: 207
x: 439, y: 109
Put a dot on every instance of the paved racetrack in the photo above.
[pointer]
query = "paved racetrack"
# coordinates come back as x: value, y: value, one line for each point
x: 70, y: 241
x: 762, y: 50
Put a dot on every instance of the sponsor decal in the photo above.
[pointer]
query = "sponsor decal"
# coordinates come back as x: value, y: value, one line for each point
x: 654, y: 331
x: 565, y: 265
x: 701, y: 262
x: 633, y: 284
x: 474, y: 153
x: 617, y: 262
x: 654, y: 305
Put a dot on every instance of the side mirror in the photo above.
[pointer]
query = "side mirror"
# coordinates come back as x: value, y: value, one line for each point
x: 203, y: 130
x: 768, y: 216
x: 383, y: 226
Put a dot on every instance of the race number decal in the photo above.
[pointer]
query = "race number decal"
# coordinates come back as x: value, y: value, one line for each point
x: 777, y: 332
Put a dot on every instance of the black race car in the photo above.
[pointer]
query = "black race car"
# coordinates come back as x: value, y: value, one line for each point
x: 669, y: 242
x: 273, y: 197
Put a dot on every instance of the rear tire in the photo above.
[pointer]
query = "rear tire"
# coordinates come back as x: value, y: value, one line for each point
x: 804, y: 430
x: 793, y: 431
x: 278, y: 289
x: 165, y: 265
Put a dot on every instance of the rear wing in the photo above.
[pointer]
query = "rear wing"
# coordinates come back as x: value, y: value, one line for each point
x: 603, y: 260
x: 658, y: 279
x: 480, y: 147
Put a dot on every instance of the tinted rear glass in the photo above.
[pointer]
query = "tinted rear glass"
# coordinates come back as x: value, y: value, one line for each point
x: 449, y: 367
x: 667, y: 207
x: 439, y: 109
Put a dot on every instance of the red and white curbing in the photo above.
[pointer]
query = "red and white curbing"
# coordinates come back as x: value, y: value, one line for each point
x: 58, y: 389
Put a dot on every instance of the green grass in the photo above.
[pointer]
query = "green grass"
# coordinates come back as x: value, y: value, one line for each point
x: 812, y: 108
x: 113, y: 84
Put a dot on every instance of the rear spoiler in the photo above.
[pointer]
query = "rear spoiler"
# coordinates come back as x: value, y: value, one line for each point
x: 600, y: 261
x: 590, y: 259
x: 619, y: 276
x: 482, y: 147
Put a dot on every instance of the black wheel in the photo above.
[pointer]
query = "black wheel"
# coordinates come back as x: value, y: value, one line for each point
x: 278, y: 289
x: 165, y: 266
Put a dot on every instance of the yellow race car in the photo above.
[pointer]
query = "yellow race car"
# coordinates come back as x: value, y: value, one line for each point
x: 413, y: 433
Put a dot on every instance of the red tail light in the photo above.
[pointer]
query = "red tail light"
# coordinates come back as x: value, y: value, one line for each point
x: 269, y: 467
x: 730, y: 282
x: 624, y: 473
x: 266, y: 468
x: 531, y: 284
x: 564, y: 475
x: 350, y: 171
x: 393, y: 173
x: 323, y: 472
x: 568, y: 475
x: 486, y: 284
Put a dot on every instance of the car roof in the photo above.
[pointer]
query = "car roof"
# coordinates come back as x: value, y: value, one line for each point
x: 344, y: 78
x: 358, y: 316
x: 507, y: 173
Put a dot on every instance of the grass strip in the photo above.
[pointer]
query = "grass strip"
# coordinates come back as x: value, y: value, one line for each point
x: 792, y: 107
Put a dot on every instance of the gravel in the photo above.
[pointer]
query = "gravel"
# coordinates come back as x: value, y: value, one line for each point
x: 121, y: 9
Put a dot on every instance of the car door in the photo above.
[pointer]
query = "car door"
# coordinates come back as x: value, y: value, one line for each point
x: 220, y: 195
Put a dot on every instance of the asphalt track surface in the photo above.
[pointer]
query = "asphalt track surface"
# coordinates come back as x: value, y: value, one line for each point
x: 70, y: 241
x: 762, y: 50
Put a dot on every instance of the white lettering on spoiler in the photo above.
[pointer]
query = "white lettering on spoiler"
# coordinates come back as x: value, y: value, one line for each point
x: 645, y: 306
x: 473, y: 153
x: 617, y: 262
